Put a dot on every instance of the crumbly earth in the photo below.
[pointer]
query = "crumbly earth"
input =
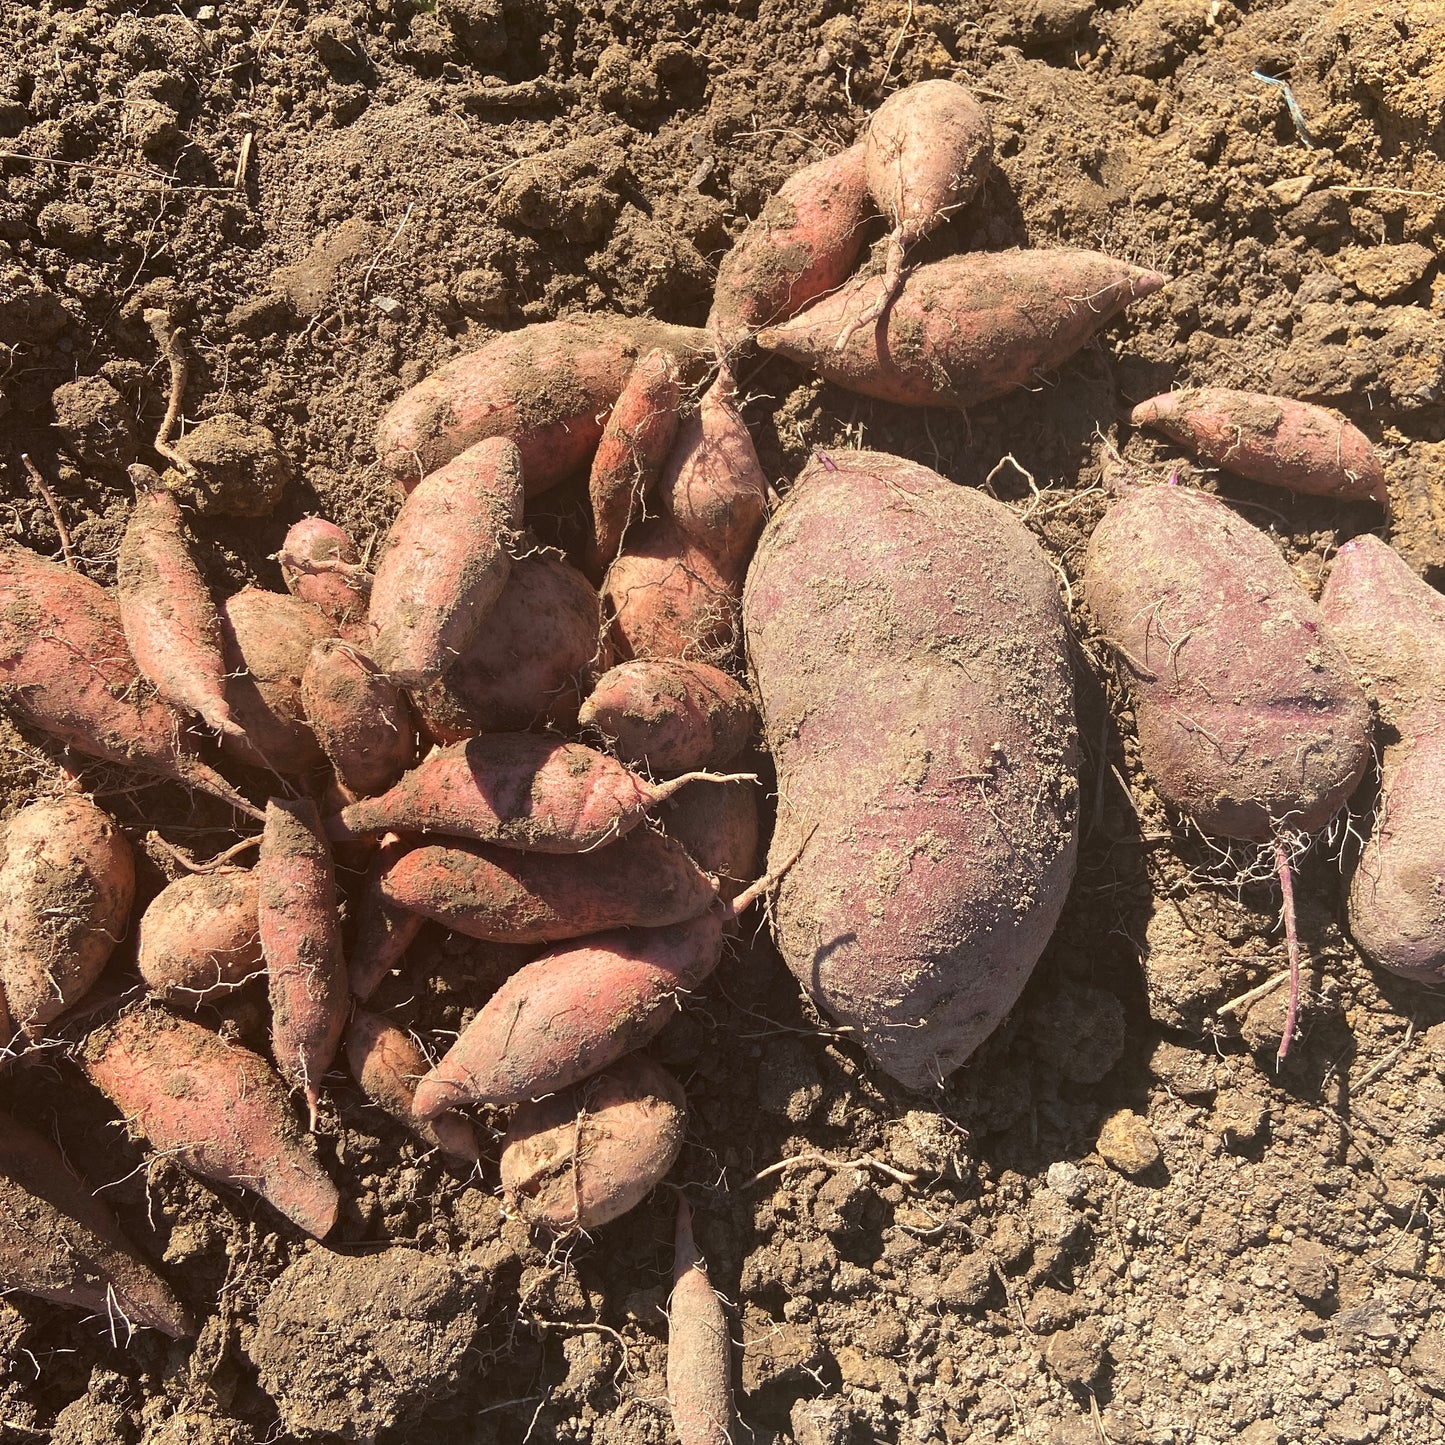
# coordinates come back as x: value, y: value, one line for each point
x: 331, y: 200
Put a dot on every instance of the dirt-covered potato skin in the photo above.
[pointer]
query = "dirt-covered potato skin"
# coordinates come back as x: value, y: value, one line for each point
x: 909, y: 651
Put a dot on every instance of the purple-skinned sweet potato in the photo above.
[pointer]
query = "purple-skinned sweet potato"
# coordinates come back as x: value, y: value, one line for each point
x: 721, y: 830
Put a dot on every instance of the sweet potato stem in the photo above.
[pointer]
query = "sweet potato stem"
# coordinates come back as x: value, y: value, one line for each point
x: 1286, y: 888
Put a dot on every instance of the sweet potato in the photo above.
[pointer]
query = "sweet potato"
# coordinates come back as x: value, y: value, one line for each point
x: 214, y: 1107
x: 319, y: 565
x: 802, y: 245
x: 170, y: 621
x: 444, y: 562
x: 720, y: 829
x: 1270, y: 439
x: 65, y: 669
x: 300, y: 931
x: 384, y: 931
x: 59, y: 1242
x: 199, y: 938
x: 667, y: 598
x: 547, y: 387
x: 1391, y: 625
x: 268, y: 638
x: 910, y: 657
x: 580, y: 1159
x: 964, y: 330
x: 362, y: 721
x: 641, y: 881
x: 387, y: 1063
x: 525, y: 790
x: 531, y: 664
x: 635, y: 444
x: 670, y: 716
x: 67, y: 882
x: 699, y: 1347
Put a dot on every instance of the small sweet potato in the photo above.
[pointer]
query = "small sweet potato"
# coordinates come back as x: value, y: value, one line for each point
x: 387, y: 1062
x: 362, y: 721
x: 529, y: 665
x: 720, y: 829
x: 59, y: 1242
x: 547, y: 387
x: 320, y: 565
x: 444, y: 562
x: 580, y: 1159
x: 964, y: 330
x: 670, y: 716
x: 199, y: 938
x: 67, y: 882
x: 214, y: 1107
x: 641, y: 881
x: 699, y: 1347
x: 300, y: 931
x: 635, y: 444
x: 1270, y: 439
x: 384, y: 931
x: 170, y: 621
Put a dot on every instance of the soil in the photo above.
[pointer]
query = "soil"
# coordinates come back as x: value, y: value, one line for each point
x: 1118, y: 1222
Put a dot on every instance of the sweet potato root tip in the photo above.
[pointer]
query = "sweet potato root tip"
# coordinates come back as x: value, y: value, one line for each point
x: 699, y: 1346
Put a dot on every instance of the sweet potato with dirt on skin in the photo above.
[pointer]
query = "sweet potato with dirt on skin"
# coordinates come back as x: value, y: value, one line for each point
x: 670, y: 716
x: 643, y: 880
x: 1270, y: 439
x: 300, y: 929
x: 320, y: 565
x: 387, y: 1062
x: 268, y: 637
x: 547, y: 387
x: 629, y: 458
x: 214, y: 1107
x: 171, y: 623
x: 444, y: 563
x: 59, y: 1242
x: 720, y: 829
x: 65, y: 669
x: 910, y: 658
x: 384, y: 931
x: 200, y: 939
x: 1391, y: 625
x: 67, y: 882
x: 699, y: 1346
x: 529, y: 665
x: 583, y: 1158
x: 362, y: 721
x: 964, y: 330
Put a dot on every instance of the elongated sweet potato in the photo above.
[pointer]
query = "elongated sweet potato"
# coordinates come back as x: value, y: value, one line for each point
x: 547, y: 387
x: 362, y: 721
x: 444, y: 562
x: 217, y: 1109
x: 802, y: 245
x: 384, y: 930
x: 720, y: 829
x: 529, y: 665
x: 301, y: 939
x: 1270, y: 439
x: 59, y: 1242
x: 320, y: 565
x: 170, y: 621
x: 199, y: 938
x: 387, y: 1063
x: 67, y: 882
x: 964, y: 330
x: 66, y: 670
x: 581, y: 1159
x: 641, y: 881
x: 699, y: 1347
x: 1391, y: 625
x: 909, y: 654
x: 268, y: 638
x: 630, y: 456
x: 670, y: 716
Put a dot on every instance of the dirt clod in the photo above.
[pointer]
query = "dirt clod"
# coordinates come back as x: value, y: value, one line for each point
x: 1127, y: 1144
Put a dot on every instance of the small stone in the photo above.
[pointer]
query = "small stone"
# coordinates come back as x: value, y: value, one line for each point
x: 1310, y: 1272
x: 388, y: 306
x: 1077, y: 1355
x: 1369, y: 1321
x: 1127, y: 1144
x: 1427, y: 1360
x: 821, y: 1422
x: 205, y: 14
x: 1384, y: 272
x: 967, y: 1285
x: 1067, y: 1179
x: 1261, y: 1432
x: 1292, y: 190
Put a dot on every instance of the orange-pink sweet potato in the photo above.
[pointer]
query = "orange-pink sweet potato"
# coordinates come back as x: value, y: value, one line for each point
x: 699, y: 1346
x: 720, y: 829
x: 199, y: 938
x: 444, y: 562
x: 384, y: 931
x: 642, y: 880
x: 580, y: 1159
x: 67, y: 882
x: 300, y: 929
x: 1270, y: 439
x: 547, y: 387
x: 362, y: 721
x: 214, y: 1107
x: 320, y: 565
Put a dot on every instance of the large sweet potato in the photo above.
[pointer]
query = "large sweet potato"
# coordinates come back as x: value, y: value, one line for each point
x: 909, y: 653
